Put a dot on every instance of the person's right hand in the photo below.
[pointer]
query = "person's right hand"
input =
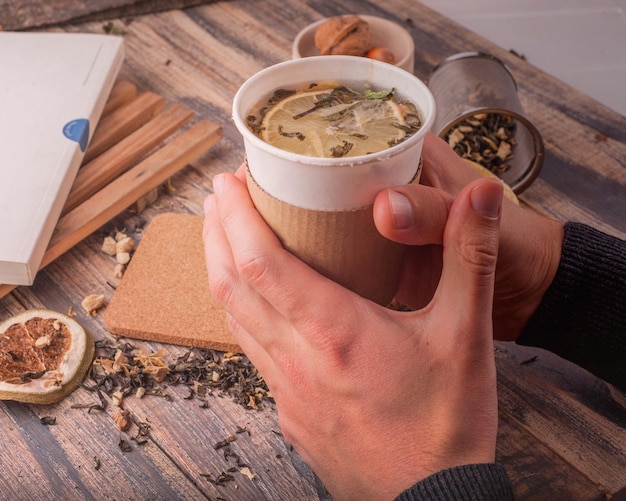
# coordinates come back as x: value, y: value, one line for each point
x: 528, y: 256
x: 374, y: 400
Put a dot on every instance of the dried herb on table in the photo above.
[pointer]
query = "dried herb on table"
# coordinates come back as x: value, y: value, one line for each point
x: 121, y: 370
x: 110, y: 29
x: 124, y: 446
x: 48, y: 420
x: 485, y: 138
x: 228, y: 374
x: 143, y: 434
x: 221, y: 479
x: 225, y: 442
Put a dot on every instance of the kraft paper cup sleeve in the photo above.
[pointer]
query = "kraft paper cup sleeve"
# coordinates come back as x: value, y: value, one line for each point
x: 342, y: 245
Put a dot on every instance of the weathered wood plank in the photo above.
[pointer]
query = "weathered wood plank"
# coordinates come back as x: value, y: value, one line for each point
x: 524, y: 455
x: 62, y: 459
x: 123, y: 92
x: 571, y: 412
x: 39, y: 13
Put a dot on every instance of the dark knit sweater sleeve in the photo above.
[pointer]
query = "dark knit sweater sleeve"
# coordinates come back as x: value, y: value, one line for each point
x: 582, y: 316
x: 473, y: 482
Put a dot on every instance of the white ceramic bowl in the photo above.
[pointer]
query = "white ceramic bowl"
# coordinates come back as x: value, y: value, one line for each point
x: 384, y: 33
x: 332, y: 183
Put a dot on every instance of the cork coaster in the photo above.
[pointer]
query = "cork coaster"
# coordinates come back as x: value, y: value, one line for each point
x: 164, y: 295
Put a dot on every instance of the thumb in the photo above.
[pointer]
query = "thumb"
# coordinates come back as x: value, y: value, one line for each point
x: 470, y: 250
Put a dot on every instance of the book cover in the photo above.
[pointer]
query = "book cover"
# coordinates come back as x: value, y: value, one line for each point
x: 53, y: 87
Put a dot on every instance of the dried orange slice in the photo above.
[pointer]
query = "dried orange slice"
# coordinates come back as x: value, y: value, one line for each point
x: 43, y: 356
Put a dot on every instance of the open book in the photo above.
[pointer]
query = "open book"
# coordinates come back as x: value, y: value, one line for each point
x: 53, y: 87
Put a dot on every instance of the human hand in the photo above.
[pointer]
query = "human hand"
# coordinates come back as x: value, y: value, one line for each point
x: 373, y: 399
x: 528, y: 256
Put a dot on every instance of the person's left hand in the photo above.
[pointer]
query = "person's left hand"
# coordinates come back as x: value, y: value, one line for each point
x: 373, y: 400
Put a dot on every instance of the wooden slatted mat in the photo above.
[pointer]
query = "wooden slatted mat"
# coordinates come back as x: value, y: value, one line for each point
x: 164, y: 295
x: 126, y: 159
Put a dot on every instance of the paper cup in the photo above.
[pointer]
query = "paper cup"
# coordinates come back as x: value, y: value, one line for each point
x: 321, y: 208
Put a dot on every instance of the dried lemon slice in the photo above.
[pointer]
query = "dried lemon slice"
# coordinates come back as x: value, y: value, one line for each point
x: 484, y: 172
x: 43, y: 356
x: 311, y: 123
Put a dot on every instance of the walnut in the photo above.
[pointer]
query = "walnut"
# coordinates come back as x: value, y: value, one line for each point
x: 349, y: 35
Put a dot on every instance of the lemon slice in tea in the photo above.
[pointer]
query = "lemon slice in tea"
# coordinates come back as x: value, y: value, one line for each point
x: 313, y: 123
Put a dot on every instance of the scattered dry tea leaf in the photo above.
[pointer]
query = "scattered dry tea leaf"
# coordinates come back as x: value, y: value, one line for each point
x: 151, y: 359
x: 205, y: 372
x: 124, y: 445
x: 117, y: 398
x: 120, y: 362
x: 158, y: 373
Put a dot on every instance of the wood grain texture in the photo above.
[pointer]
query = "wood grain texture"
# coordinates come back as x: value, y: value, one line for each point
x: 38, y: 13
x: 562, y: 430
x: 119, y: 123
x: 122, y: 93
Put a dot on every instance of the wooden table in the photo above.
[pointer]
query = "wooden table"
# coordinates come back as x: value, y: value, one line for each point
x: 562, y: 431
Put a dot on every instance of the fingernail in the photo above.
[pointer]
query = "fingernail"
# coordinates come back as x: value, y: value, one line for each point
x: 218, y: 184
x: 486, y: 199
x: 401, y: 210
x: 209, y: 202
